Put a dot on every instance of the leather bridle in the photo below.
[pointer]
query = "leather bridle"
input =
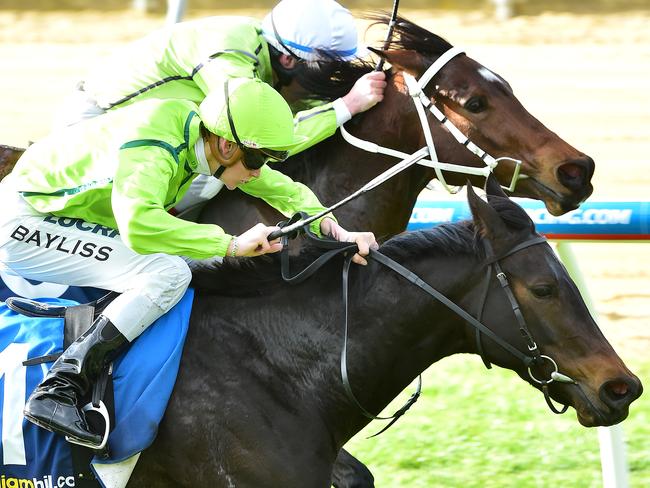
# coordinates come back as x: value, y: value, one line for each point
x: 531, y: 358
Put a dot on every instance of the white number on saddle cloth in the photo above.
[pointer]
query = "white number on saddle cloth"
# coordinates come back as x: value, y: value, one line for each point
x: 15, y: 379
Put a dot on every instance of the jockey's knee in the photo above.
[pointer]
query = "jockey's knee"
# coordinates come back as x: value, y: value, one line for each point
x: 157, y: 287
x: 168, y: 281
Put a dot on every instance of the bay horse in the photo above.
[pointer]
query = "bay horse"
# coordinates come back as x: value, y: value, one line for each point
x: 479, y: 102
x: 259, y: 399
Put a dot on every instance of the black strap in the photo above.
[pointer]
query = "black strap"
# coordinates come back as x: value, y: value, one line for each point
x: 479, y: 317
x: 48, y: 358
x: 344, y: 366
x: 78, y: 320
x: 523, y: 328
x: 335, y: 248
x: 32, y: 308
x: 332, y: 246
x: 493, y: 258
x: 313, y: 267
x: 81, y: 459
x: 417, y: 281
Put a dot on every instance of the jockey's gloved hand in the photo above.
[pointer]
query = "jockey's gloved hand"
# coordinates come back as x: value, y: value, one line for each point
x: 366, y: 92
x: 364, y: 240
x: 254, y: 242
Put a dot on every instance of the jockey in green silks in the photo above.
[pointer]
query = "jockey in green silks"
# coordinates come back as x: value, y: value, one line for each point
x: 193, y: 59
x: 88, y: 206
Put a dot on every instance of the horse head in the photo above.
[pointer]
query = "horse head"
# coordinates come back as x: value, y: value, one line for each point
x: 482, y: 105
x: 593, y: 378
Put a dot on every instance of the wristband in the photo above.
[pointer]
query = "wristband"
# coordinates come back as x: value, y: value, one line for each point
x: 235, y: 246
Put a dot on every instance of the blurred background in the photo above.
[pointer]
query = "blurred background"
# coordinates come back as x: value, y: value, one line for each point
x: 581, y: 67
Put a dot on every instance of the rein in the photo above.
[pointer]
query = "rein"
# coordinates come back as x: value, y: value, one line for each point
x: 422, y: 102
x: 533, y: 358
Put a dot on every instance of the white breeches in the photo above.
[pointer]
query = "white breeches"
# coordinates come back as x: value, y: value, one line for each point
x: 78, y: 253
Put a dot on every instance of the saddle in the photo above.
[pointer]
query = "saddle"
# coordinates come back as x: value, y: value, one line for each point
x: 77, y: 319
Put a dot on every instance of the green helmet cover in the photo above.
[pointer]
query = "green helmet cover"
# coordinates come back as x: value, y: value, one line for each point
x: 262, y: 118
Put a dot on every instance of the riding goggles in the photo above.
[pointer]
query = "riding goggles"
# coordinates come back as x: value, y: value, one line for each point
x: 253, y: 158
x: 256, y: 158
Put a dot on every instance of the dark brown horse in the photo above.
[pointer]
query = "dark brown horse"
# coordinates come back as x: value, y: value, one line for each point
x: 480, y: 103
x: 259, y: 399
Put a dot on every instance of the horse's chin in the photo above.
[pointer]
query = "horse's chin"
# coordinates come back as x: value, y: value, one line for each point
x: 592, y: 412
x: 594, y: 418
x: 556, y: 203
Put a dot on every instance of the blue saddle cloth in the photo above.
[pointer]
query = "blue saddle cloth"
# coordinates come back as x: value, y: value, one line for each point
x: 143, y: 379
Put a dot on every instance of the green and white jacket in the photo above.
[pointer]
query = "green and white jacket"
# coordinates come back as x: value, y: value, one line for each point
x: 126, y: 168
x: 191, y: 59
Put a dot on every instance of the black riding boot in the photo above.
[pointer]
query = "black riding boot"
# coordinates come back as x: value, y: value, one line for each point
x: 53, y: 404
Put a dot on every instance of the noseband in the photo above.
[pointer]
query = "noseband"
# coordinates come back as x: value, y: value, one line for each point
x: 531, y: 358
x: 422, y: 102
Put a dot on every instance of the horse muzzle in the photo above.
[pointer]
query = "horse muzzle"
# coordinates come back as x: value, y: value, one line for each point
x: 608, y: 405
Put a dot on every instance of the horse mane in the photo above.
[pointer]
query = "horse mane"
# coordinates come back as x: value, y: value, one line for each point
x: 254, y: 276
x: 331, y: 77
x: 261, y: 275
x: 410, y: 36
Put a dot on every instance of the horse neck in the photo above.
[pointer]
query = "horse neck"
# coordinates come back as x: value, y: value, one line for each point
x: 334, y: 169
x: 390, y: 345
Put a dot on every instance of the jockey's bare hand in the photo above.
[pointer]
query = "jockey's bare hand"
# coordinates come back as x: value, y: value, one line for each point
x: 364, y: 240
x: 254, y: 242
x: 366, y: 92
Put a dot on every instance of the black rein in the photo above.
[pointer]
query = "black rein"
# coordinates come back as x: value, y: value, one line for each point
x: 335, y: 248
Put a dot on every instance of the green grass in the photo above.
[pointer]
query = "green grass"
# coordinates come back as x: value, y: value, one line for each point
x: 478, y: 428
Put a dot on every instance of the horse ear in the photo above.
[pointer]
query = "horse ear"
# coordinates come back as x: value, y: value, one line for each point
x: 493, y: 187
x: 487, y: 221
x: 402, y: 59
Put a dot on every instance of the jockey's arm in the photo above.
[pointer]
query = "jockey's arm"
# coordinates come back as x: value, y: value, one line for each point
x: 320, y: 122
x: 289, y: 197
x: 138, y: 201
x: 285, y: 195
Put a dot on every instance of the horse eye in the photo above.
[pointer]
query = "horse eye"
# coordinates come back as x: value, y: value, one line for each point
x: 543, y: 291
x: 476, y: 105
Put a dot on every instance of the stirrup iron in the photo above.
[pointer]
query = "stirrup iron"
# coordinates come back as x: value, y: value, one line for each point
x: 103, y: 411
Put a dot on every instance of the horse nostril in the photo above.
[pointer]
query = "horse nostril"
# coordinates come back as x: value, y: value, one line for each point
x: 619, y: 393
x: 575, y: 174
